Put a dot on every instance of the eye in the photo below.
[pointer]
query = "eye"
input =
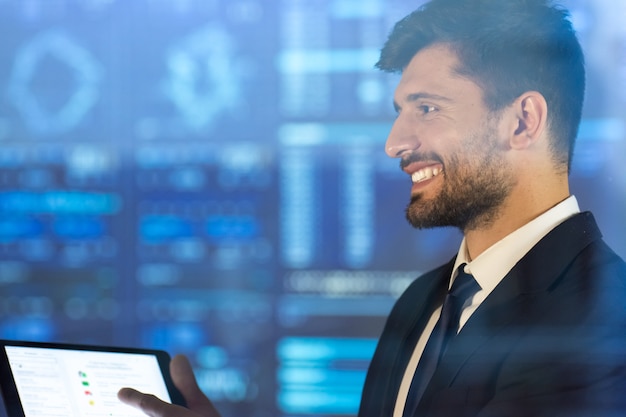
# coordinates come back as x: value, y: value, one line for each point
x: 426, y: 109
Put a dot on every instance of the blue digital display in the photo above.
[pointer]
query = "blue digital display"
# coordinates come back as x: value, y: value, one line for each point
x: 208, y: 177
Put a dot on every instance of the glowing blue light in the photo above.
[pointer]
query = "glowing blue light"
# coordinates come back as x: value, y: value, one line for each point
x: 162, y: 228
x: 79, y: 228
x: 323, y: 61
x: 240, y: 227
x: 205, y: 56
x: 12, y: 228
x: 68, y: 202
x: 86, y: 74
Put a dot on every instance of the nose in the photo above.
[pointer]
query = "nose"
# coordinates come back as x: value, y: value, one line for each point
x: 401, y: 139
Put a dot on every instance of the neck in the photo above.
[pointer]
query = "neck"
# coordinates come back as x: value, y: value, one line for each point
x: 521, y: 207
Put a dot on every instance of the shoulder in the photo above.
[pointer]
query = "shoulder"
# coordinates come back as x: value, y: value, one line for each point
x: 595, y: 281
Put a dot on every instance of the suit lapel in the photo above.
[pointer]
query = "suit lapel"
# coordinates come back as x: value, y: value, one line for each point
x: 512, y: 303
x: 427, y: 297
x: 404, y: 326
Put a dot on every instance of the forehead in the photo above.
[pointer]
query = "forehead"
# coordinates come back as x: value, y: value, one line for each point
x: 434, y: 70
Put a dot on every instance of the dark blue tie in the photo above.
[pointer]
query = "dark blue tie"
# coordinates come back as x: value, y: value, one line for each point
x: 463, y: 287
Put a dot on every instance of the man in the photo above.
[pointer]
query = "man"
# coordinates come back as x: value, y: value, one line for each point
x: 488, y: 106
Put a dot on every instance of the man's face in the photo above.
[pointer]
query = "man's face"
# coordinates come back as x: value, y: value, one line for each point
x: 450, y: 144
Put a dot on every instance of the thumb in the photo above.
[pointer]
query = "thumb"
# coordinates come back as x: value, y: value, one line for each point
x: 185, y: 381
x: 149, y: 404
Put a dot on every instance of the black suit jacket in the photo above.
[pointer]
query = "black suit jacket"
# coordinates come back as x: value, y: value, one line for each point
x: 550, y: 340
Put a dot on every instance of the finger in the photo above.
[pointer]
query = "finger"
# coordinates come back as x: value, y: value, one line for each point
x: 185, y: 381
x: 148, y: 403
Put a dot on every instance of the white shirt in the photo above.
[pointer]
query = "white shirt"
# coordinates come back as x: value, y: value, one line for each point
x: 489, y: 268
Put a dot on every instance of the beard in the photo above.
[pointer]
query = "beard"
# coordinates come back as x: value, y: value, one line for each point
x: 476, y: 181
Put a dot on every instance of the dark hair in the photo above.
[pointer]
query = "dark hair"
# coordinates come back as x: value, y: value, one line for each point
x: 507, y: 47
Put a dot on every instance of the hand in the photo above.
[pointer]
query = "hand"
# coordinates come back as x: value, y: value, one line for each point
x: 182, y: 375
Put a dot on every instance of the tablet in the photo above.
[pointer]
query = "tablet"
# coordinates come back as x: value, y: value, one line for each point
x: 63, y: 380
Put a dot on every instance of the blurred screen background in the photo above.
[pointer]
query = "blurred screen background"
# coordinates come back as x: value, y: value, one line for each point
x: 208, y: 177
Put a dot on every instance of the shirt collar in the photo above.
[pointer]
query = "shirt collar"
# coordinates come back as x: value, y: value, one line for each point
x: 493, y: 264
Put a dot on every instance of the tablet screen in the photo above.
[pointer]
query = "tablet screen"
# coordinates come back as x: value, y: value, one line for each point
x: 61, y: 382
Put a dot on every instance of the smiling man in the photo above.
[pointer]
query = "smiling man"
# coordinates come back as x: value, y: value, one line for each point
x: 489, y: 104
x: 529, y: 318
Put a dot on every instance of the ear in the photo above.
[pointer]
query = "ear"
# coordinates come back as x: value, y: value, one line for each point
x: 531, y: 112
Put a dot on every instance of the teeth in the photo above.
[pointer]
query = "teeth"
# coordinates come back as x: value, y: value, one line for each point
x: 425, y: 174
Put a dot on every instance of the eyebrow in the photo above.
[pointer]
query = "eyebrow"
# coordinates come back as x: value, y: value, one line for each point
x: 411, y: 98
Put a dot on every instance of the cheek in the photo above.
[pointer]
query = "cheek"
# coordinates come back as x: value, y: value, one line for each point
x: 466, y: 154
x: 449, y: 144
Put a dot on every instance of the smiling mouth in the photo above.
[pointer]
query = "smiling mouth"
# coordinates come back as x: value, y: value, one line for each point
x: 425, y: 174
